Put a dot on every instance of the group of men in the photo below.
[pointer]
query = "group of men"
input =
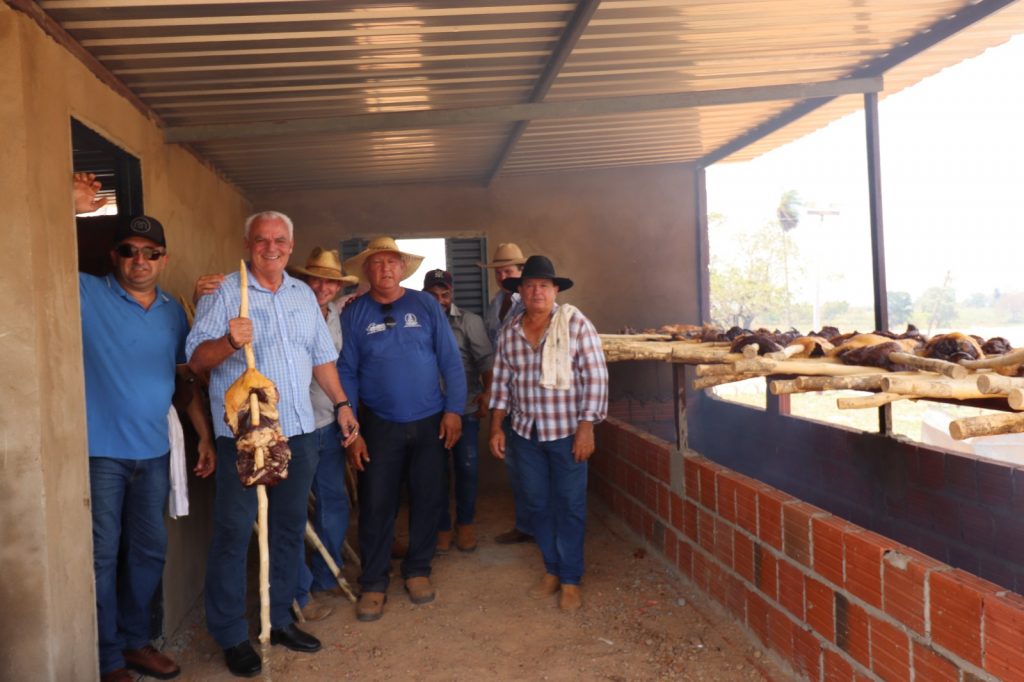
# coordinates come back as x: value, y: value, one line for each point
x: 397, y: 378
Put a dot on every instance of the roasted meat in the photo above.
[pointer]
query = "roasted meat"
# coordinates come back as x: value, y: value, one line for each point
x: 953, y: 347
x: 265, y: 439
x: 765, y: 343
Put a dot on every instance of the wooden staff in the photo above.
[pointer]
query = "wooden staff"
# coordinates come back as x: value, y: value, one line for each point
x: 956, y: 389
x: 261, y: 490
x: 865, y: 401
x: 1014, y: 357
x: 986, y: 425
x: 949, y: 369
x: 997, y: 383
x: 314, y: 539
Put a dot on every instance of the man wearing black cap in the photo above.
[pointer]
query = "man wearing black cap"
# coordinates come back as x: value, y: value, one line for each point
x: 550, y: 378
x: 477, y: 361
x: 133, y: 336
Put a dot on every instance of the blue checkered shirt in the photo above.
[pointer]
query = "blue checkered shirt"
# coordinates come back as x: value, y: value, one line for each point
x: 290, y: 338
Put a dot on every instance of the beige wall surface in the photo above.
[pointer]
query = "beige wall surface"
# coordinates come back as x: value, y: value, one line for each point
x: 47, y: 624
x: 626, y: 237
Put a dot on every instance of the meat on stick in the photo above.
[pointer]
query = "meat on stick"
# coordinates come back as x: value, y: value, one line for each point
x: 247, y: 388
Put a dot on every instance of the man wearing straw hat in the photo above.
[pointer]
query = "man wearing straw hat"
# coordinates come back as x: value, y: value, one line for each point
x: 133, y: 335
x: 550, y: 378
x: 398, y: 344
x: 324, y: 275
x: 508, y: 262
x: 292, y: 345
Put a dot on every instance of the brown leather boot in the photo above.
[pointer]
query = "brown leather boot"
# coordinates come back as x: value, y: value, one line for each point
x: 465, y: 538
x: 370, y: 606
x: 151, y: 662
x: 571, y: 598
x: 316, y: 610
x: 420, y: 590
x: 444, y: 541
x: 547, y: 586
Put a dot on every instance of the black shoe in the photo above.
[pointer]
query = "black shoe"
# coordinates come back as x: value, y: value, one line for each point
x: 242, y: 660
x: 295, y: 639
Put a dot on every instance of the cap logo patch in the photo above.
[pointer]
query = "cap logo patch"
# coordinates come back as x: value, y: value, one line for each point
x: 140, y: 225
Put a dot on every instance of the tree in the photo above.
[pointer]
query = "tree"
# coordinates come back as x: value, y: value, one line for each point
x: 977, y: 300
x: 938, y: 305
x: 832, y: 310
x: 901, y: 306
x: 747, y: 288
x: 787, y: 213
x: 1012, y: 305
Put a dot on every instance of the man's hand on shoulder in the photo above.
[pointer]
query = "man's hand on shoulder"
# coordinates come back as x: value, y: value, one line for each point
x: 451, y: 429
x: 207, y: 284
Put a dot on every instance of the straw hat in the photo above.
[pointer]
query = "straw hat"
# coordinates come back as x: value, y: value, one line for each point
x: 505, y: 254
x: 382, y: 245
x: 325, y: 264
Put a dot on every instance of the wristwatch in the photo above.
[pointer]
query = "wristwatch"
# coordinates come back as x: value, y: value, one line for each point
x: 338, y: 406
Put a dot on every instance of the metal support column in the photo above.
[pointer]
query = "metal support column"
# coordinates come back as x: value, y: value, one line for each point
x: 881, y: 296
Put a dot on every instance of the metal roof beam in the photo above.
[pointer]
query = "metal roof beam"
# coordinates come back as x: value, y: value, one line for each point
x: 927, y: 38
x: 566, y: 44
x: 510, y: 113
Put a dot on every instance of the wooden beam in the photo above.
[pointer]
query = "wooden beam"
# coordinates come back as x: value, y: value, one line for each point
x: 509, y: 113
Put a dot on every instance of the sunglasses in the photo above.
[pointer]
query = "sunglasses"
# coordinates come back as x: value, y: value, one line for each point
x: 389, y: 321
x: 130, y: 251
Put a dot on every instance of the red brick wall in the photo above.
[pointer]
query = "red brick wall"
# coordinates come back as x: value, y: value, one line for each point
x: 962, y: 511
x: 836, y: 601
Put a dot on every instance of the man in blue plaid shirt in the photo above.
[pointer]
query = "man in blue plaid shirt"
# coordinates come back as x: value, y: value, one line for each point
x: 292, y: 346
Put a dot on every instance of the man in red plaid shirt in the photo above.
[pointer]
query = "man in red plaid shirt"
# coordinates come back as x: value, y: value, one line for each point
x: 550, y: 377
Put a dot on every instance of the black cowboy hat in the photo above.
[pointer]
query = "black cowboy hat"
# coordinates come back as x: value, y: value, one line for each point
x: 537, y: 267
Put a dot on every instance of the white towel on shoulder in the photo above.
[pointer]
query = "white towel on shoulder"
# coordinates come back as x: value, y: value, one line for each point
x: 556, y: 362
x: 177, y: 502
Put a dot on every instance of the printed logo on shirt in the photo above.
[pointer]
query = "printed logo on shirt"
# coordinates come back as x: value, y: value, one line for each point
x: 411, y: 321
x: 375, y: 327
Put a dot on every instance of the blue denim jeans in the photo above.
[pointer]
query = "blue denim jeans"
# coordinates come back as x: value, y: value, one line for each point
x: 129, y: 497
x: 398, y: 452
x: 464, y: 456
x: 234, y: 513
x: 555, y: 486
x: 515, y: 480
x: 330, y: 518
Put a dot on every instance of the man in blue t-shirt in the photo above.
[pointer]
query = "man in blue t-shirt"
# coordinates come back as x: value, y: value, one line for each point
x: 398, y: 349
x: 133, y: 335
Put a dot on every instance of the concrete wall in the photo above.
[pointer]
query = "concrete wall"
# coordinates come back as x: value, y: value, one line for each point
x: 47, y: 624
x: 833, y: 600
x: 625, y: 237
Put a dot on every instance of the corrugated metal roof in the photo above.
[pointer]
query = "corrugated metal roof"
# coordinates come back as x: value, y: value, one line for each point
x: 227, y: 63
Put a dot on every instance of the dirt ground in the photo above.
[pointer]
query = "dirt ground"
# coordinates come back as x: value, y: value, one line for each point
x: 639, y: 621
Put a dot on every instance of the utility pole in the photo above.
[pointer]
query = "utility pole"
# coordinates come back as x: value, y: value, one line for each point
x: 820, y: 255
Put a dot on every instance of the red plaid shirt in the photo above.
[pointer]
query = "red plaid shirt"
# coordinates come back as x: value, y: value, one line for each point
x: 556, y: 414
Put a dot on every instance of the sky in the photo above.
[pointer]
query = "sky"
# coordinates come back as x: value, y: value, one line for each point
x: 952, y: 154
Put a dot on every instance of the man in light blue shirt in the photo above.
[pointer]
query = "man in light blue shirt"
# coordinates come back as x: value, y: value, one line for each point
x: 133, y: 335
x: 292, y: 346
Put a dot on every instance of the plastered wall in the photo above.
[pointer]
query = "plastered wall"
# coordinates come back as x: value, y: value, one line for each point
x: 625, y: 236
x: 47, y: 624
